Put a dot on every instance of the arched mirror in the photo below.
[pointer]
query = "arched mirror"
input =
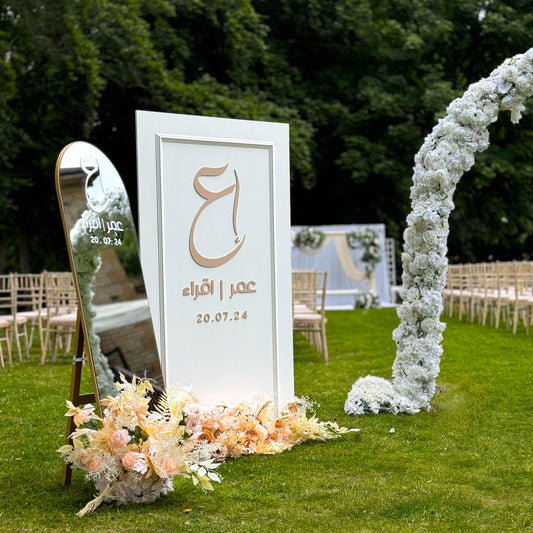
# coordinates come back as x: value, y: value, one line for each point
x: 102, y: 244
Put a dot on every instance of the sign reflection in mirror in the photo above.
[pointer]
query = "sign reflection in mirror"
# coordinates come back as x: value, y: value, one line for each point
x: 105, y: 261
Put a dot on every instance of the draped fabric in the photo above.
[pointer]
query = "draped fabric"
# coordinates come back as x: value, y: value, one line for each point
x: 345, y: 269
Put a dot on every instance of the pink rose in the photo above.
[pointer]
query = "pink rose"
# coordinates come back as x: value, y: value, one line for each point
x: 120, y: 438
x: 84, y: 414
x: 94, y: 465
x: 193, y: 410
x: 171, y: 466
x: 210, y: 423
x: 135, y: 461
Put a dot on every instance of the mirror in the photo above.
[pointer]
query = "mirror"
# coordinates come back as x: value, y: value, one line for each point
x: 104, y: 256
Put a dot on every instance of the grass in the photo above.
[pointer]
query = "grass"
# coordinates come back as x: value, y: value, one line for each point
x: 465, y: 466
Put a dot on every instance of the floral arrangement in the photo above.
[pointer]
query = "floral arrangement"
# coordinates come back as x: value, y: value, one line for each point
x: 368, y: 300
x: 370, y: 241
x: 232, y: 431
x: 309, y: 239
x: 135, y: 453
x: 446, y: 154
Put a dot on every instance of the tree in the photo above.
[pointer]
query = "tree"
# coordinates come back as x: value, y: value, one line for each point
x: 361, y: 82
x: 373, y: 77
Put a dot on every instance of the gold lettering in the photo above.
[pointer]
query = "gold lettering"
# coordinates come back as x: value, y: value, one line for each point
x: 211, y: 197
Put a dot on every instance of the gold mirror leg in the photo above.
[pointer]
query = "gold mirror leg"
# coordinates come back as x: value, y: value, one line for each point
x: 75, y: 397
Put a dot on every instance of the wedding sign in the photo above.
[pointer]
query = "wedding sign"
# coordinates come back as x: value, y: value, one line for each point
x: 215, y: 249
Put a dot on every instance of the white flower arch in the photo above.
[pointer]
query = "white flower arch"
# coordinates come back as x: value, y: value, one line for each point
x: 445, y: 155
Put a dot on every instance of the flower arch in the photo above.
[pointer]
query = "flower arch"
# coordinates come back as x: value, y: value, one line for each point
x: 446, y: 154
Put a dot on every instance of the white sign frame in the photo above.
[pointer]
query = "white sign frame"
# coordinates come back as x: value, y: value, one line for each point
x: 261, y: 362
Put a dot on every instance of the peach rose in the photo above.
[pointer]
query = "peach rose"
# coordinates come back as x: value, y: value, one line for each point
x: 219, y: 410
x: 94, y: 465
x: 210, y: 423
x: 206, y: 435
x: 135, y: 461
x: 171, y: 466
x: 229, y: 422
x: 120, y: 438
x: 81, y: 457
x: 257, y: 433
x: 193, y: 410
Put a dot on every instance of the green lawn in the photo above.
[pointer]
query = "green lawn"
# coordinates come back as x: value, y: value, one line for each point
x: 464, y: 466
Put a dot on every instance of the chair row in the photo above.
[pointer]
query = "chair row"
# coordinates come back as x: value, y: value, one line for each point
x: 499, y: 292
x: 44, y: 304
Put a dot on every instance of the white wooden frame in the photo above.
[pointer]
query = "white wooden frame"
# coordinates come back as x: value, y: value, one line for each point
x: 222, y: 359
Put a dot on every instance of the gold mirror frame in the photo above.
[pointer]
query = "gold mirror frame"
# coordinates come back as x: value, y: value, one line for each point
x: 113, y: 309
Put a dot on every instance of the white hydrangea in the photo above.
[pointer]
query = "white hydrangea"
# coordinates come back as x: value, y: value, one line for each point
x: 445, y: 155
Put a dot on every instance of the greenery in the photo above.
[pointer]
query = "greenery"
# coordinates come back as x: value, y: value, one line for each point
x: 464, y: 466
x: 361, y: 82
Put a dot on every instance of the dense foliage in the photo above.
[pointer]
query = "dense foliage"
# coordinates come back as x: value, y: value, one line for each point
x: 361, y: 82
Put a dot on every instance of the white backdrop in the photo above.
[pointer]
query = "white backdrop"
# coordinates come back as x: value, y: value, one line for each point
x: 327, y: 259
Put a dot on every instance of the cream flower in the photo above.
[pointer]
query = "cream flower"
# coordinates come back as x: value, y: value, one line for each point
x: 81, y: 414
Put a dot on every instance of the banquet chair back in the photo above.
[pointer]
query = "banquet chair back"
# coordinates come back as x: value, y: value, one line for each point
x: 4, y: 338
x: 521, y: 303
x: 305, y: 284
x: 29, y: 289
x: 8, y: 313
x: 61, y: 313
x: 503, y: 289
x: 308, y: 304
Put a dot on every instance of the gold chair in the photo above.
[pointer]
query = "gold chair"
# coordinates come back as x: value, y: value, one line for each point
x: 308, y: 307
x: 8, y: 313
x: 61, y: 313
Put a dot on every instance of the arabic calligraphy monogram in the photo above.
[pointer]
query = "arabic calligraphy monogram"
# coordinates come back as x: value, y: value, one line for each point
x: 94, y: 190
x: 210, y: 197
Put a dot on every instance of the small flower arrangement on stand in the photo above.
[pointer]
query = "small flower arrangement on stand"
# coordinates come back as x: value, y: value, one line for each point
x: 135, y: 453
x: 368, y: 300
x: 369, y: 240
x: 309, y: 239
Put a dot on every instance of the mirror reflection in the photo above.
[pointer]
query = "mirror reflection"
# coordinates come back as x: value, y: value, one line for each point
x: 97, y: 216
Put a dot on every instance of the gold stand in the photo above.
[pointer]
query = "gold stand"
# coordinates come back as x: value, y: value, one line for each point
x: 75, y: 397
